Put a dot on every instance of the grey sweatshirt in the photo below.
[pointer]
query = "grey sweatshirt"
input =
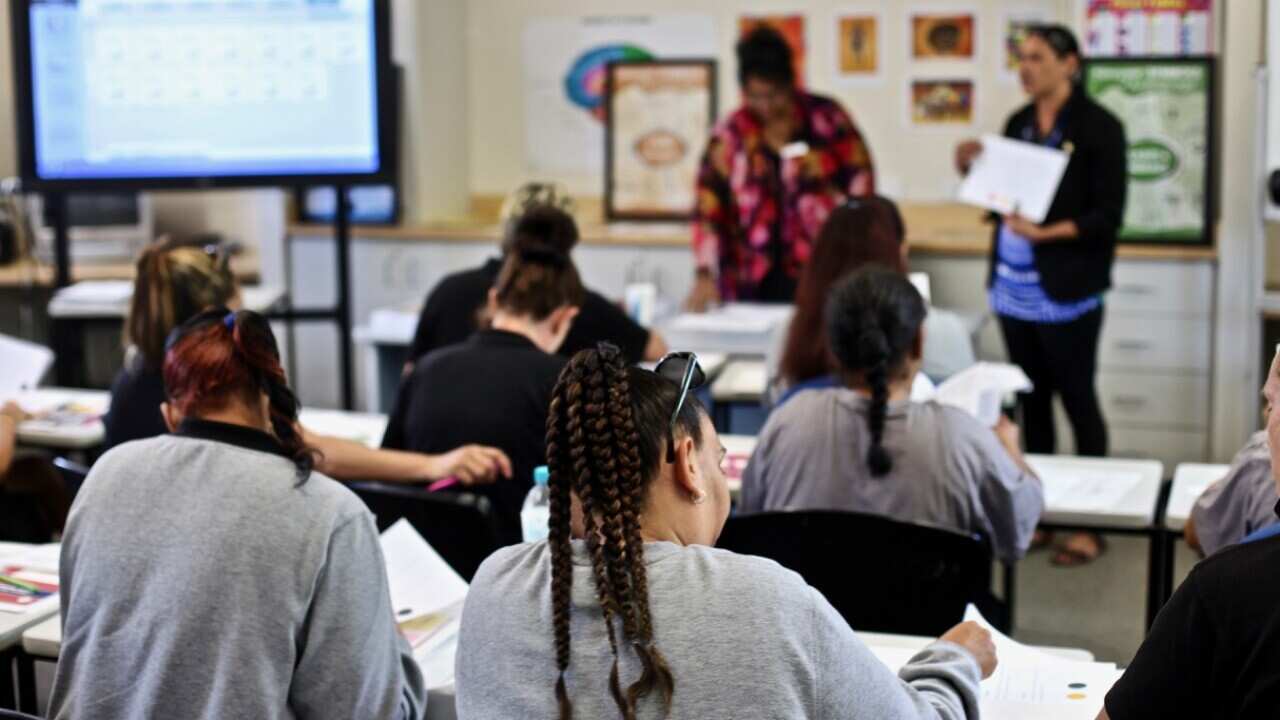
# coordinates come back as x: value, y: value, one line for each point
x: 1242, y: 502
x: 744, y: 638
x: 200, y: 580
x: 948, y: 469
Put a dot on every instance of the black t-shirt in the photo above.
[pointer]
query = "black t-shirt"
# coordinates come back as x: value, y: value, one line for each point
x: 1214, y: 651
x: 136, y: 394
x: 452, y: 311
x: 493, y: 389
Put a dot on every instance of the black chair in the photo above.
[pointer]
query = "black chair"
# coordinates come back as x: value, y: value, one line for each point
x: 460, y: 526
x: 880, y: 574
x: 15, y: 715
x: 73, y: 474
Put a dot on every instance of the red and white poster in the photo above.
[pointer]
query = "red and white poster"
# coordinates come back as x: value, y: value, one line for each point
x: 1134, y: 28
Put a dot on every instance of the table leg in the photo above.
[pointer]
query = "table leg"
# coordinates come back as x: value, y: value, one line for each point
x: 7, y: 698
x: 27, y: 701
x: 1155, y: 576
x: 1010, y: 590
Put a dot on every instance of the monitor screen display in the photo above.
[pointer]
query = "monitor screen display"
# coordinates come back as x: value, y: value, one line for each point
x: 201, y: 89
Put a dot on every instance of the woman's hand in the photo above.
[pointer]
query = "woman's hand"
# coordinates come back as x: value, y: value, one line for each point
x: 966, y: 153
x: 704, y: 293
x: 472, y: 465
x: 1032, y: 232
x: 973, y: 637
x: 14, y: 413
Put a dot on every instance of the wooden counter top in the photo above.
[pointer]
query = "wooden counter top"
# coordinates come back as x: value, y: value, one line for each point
x: 932, y: 229
x: 30, y: 272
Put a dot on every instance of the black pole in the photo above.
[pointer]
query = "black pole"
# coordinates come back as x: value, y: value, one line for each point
x: 67, y: 342
x: 57, y: 210
x: 342, y: 241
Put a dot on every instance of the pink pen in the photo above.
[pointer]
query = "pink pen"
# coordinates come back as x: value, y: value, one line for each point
x: 442, y: 484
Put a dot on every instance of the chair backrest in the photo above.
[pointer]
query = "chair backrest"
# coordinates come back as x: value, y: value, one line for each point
x: 880, y: 574
x: 15, y: 715
x: 460, y: 526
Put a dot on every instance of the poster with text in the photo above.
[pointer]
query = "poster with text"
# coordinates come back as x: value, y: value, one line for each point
x: 791, y: 27
x: 940, y: 103
x: 942, y: 36
x: 660, y: 114
x: 1133, y: 28
x: 1165, y: 106
x: 564, y: 76
x: 859, y: 47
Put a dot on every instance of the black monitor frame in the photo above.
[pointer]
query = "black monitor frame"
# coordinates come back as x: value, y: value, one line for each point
x: 384, y: 84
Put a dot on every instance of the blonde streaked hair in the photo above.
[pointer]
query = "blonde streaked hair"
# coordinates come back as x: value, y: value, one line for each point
x: 174, y: 283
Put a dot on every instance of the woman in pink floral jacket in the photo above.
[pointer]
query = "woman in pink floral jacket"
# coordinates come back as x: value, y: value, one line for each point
x: 771, y: 173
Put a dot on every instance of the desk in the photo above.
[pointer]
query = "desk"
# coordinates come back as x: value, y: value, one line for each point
x: 109, y: 299
x: 80, y: 436
x: 366, y: 428
x: 1189, y: 481
x: 14, y: 625
x: 44, y: 641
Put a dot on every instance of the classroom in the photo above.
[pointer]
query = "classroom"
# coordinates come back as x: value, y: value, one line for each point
x: 488, y: 359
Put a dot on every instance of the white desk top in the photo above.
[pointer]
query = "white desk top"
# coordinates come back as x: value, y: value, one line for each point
x: 741, y: 381
x: 918, y: 642
x: 77, y: 436
x: 367, y: 428
x: 1189, y: 481
x: 110, y: 299
x: 1074, y: 487
x: 13, y: 625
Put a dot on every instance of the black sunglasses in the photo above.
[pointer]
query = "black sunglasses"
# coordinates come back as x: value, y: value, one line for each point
x: 681, y: 368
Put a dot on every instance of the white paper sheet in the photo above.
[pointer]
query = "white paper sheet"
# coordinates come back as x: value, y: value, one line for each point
x: 981, y: 388
x: 421, y: 581
x: 1013, y: 175
x: 923, y: 286
x: 1084, y: 490
x: 24, y: 365
x: 96, y: 292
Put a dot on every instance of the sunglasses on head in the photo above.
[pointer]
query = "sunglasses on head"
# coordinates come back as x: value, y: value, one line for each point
x: 683, y: 369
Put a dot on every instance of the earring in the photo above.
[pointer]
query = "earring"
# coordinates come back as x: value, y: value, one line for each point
x: 699, y: 498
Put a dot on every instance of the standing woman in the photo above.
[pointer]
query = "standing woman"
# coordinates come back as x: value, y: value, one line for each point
x: 771, y: 173
x: 1047, y: 281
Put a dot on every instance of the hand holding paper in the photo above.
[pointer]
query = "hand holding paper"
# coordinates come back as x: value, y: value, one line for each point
x: 1011, y: 176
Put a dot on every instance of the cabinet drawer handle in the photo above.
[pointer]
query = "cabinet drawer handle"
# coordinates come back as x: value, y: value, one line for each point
x: 1136, y: 289
x: 1132, y: 401
x: 1132, y: 345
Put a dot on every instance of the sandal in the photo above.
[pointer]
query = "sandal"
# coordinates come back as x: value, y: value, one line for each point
x: 1080, y: 549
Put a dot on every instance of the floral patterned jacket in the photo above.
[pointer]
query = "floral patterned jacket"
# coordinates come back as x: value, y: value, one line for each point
x: 750, y: 198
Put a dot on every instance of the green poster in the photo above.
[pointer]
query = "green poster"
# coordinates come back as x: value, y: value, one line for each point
x: 1164, y: 105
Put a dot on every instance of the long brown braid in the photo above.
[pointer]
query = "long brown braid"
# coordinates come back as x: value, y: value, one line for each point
x: 593, y: 449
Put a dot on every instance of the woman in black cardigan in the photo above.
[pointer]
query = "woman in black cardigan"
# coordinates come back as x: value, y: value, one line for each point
x: 1047, y: 281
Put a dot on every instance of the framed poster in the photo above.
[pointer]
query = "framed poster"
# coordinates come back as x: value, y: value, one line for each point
x: 1128, y: 28
x: 941, y: 103
x: 658, y: 116
x: 942, y: 36
x: 1166, y: 105
x: 858, y: 53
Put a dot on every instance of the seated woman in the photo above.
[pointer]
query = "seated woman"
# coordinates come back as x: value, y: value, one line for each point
x: 627, y: 611
x: 174, y: 283
x: 1240, y: 503
x: 860, y: 233
x: 1214, y: 650
x: 494, y: 388
x: 212, y: 573
x: 457, y: 305
x: 33, y: 498
x: 866, y: 447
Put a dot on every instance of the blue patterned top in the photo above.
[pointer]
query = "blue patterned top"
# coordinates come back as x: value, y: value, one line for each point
x: 1016, y: 291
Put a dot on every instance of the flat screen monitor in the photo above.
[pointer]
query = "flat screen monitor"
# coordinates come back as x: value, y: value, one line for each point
x: 194, y: 93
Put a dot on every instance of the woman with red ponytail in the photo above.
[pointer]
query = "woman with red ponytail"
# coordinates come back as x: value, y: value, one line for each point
x: 248, y: 585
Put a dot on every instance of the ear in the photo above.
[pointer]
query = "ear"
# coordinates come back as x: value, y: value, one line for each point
x: 172, y: 418
x: 491, y: 303
x: 917, y: 345
x: 686, y: 473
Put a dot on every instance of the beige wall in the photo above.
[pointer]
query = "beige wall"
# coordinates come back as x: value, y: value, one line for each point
x: 914, y: 163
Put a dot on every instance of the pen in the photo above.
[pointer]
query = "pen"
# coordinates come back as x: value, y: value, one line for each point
x: 442, y: 484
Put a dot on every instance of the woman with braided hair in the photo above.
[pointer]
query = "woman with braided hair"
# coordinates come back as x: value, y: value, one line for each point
x: 627, y: 611
x: 864, y: 446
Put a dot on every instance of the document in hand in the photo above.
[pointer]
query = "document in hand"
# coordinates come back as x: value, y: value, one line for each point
x: 24, y: 362
x: 422, y: 583
x: 1011, y: 175
x: 981, y: 388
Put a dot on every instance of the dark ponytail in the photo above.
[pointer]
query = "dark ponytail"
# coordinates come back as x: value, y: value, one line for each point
x: 218, y: 355
x: 536, y: 279
x: 873, y: 318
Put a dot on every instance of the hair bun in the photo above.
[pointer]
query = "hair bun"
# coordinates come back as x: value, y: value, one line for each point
x: 538, y: 254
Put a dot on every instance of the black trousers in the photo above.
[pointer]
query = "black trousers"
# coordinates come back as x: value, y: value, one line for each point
x: 1059, y: 358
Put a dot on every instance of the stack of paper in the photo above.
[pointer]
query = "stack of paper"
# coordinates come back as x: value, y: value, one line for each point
x: 28, y: 575
x: 426, y: 593
x: 1083, y: 490
x: 980, y: 390
x: 399, y: 321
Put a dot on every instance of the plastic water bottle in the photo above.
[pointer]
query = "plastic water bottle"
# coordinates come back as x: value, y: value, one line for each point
x: 535, y: 518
